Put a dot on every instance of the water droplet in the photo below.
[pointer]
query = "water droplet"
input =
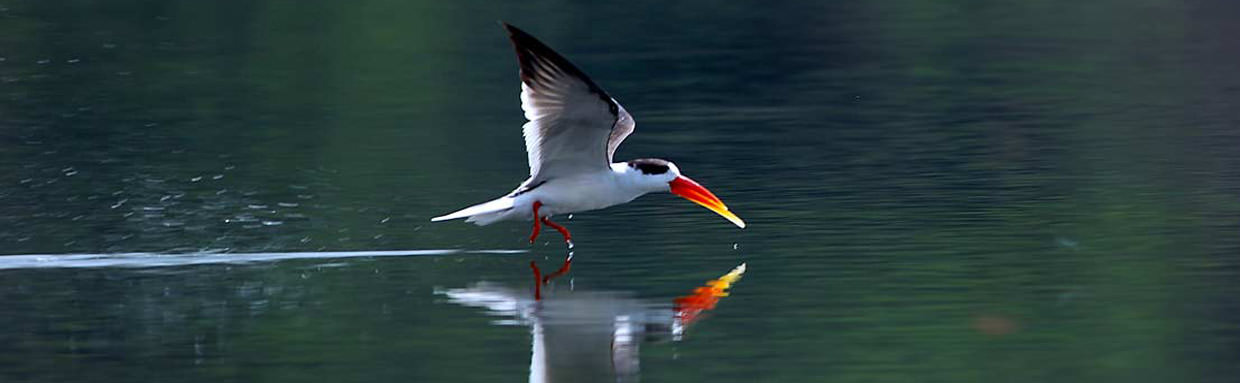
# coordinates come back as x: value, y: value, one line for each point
x: 735, y: 246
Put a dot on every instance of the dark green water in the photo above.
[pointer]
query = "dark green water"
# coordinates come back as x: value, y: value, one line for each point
x: 937, y: 191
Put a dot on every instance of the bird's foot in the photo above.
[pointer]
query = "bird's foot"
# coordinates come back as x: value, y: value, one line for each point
x: 568, y: 237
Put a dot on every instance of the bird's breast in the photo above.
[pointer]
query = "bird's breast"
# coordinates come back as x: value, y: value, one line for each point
x: 570, y: 195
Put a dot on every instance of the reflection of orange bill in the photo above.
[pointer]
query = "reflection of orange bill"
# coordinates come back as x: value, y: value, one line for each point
x: 706, y: 297
x: 693, y: 191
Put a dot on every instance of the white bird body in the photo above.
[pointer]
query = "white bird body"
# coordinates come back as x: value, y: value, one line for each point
x: 573, y: 131
x: 564, y: 195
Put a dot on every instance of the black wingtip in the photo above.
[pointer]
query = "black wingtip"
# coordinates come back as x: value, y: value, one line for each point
x: 527, y: 47
x: 523, y: 40
x: 515, y: 34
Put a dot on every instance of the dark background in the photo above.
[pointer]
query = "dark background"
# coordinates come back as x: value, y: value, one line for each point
x: 936, y: 191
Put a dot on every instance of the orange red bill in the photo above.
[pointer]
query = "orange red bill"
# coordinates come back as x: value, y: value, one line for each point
x: 691, y: 190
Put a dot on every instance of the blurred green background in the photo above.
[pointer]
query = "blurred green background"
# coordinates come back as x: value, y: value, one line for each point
x: 1021, y: 191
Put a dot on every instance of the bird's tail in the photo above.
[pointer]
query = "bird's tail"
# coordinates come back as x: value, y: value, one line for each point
x: 481, y: 214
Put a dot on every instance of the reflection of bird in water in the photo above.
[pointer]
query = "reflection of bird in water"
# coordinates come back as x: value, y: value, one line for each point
x: 591, y: 336
x: 573, y: 131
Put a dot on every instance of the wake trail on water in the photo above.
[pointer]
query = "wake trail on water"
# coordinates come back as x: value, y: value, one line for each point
x: 143, y: 260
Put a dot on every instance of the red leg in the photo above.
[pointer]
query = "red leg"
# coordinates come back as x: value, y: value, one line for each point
x: 537, y: 228
x: 538, y: 281
x: 568, y: 264
x: 567, y: 237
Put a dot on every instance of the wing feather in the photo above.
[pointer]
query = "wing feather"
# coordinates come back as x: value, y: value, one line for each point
x: 574, y: 126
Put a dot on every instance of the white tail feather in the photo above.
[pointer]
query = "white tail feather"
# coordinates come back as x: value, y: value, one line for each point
x: 482, y: 214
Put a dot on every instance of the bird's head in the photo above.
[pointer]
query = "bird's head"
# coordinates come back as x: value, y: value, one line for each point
x: 656, y: 175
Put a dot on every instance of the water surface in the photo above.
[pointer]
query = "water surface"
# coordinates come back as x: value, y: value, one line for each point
x: 943, y: 191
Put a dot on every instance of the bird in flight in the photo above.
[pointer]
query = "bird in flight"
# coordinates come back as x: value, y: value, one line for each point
x: 574, y: 129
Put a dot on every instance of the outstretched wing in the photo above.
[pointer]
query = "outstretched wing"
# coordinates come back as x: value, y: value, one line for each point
x: 574, y: 126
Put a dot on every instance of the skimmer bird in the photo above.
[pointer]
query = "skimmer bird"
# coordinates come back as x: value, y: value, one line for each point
x: 573, y: 130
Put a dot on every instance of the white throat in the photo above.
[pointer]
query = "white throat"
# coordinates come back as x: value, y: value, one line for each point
x: 630, y: 180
